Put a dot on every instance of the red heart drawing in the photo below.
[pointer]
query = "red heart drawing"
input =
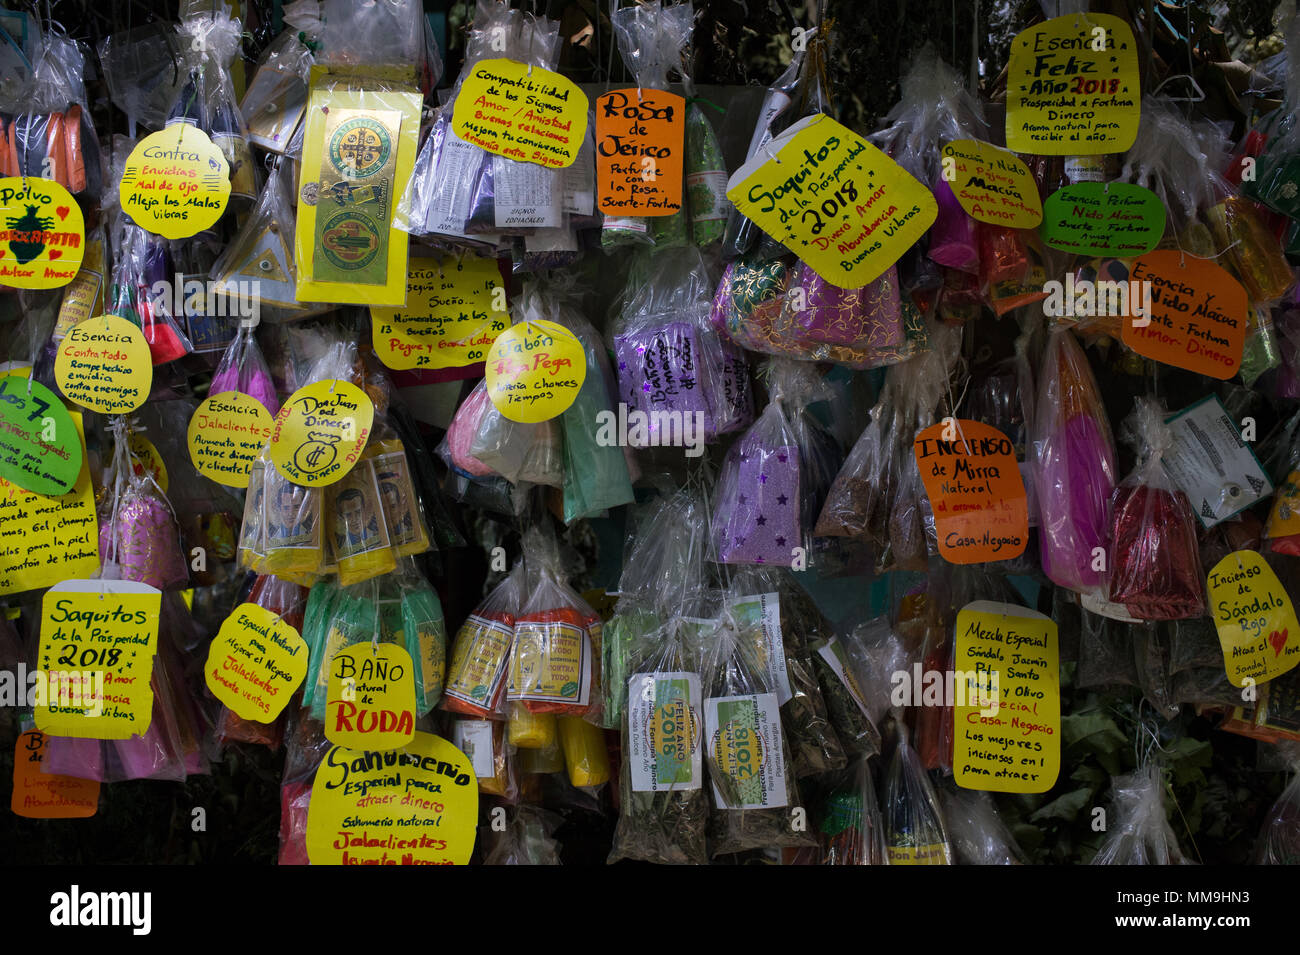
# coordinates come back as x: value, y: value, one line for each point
x: 2, y: 253
x: 56, y: 254
x: 62, y: 212
x: 1278, y: 640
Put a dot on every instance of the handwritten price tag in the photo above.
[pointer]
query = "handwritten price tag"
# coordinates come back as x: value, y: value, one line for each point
x: 370, y: 701
x: 40, y: 450
x: 1254, y: 617
x: 521, y: 112
x: 321, y: 431
x: 44, y: 540
x: 837, y: 201
x: 535, y: 370
x: 640, y: 137
x: 976, y: 491
x: 992, y: 184
x: 449, y: 320
x: 45, y: 234
x: 225, y: 435
x: 414, y: 806
x: 1007, y: 729
x: 104, y: 364
x: 255, y: 663
x: 1072, y: 87
x: 1198, y: 314
x: 176, y: 183
x: 98, y: 639
x: 1103, y: 219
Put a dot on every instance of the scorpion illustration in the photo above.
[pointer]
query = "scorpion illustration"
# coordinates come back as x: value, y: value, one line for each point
x: 25, y: 249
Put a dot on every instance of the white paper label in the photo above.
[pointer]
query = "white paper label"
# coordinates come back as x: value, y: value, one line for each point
x: 474, y: 739
x: 764, y: 611
x: 743, y: 734
x: 525, y: 195
x: 664, y: 731
x: 1210, y: 463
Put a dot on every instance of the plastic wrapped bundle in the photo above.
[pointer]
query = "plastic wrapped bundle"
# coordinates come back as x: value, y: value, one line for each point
x: 1279, y: 836
x: 670, y: 361
x: 752, y: 796
x: 978, y: 834
x: 243, y: 369
x: 852, y: 828
x: 766, y: 501
x: 755, y: 307
x: 480, y: 652
x: 1139, y: 833
x: 663, y: 807
x: 1155, y: 562
x: 138, y: 535
x: 555, y: 659
x: 1074, y: 467
x: 914, y: 826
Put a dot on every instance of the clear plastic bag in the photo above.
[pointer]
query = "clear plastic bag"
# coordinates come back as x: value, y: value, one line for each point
x: 768, y: 494
x: 978, y: 834
x: 529, y: 839
x: 138, y: 534
x: 1279, y: 837
x: 555, y: 660
x: 670, y: 361
x: 915, y: 833
x: 752, y: 797
x: 1074, y: 467
x: 651, y: 37
x: 480, y: 652
x: 143, y: 263
x: 852, y: 827
x: 663, y: 807
x: 1138, y: 832
x: 1155, y: 562
x: 243, y: 369
x: 276, y: 98
x: 780, y: 621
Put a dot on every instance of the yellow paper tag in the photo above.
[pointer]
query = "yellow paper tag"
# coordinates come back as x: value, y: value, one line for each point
x: 1072, y: 87
x: 1284, y: 516
x: 42, y: 233
x: 449, y: 319
x: 521, y: 112
x: 837, y: 201
x: 992, y: 184
x: 934, y: 854
x: 104, y: 364
x: 321, y: 431
x: 370, y: 697
x: 1255, y: 619
x: 44, y: 540
x: 176, y: 182
x: 1007, y: 689
x: 535, y: 370
x: 415, y: 806
x: 98, y: 639
x: 225, y: 435
x: 146, y: 459
x: 255, y: 663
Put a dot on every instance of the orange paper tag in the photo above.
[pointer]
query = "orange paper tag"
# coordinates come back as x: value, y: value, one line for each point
x: 976, y: 492
x: 1198, y: 314
x: 39, y: 795
x: 640, y: 137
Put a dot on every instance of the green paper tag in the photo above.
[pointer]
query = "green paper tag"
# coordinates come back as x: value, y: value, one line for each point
x: 1095, y: 218
x: 40, y: 450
